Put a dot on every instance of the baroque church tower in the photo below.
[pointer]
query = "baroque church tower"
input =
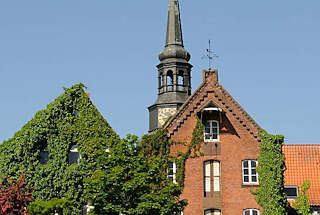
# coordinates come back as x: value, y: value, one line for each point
x: 174, y: 72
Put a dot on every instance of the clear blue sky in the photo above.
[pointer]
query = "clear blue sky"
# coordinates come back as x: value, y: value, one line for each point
x: 269, y: 58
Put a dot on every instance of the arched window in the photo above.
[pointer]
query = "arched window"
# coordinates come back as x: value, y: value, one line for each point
x: 74, y: 156
x: 212, y: 212
x: 251, y: 211
x: 249, y: 172
x: 160, y: 79
x: 211, y: 179
x: 180, y: 81
x: 170, y: 81
x: 211, y: 131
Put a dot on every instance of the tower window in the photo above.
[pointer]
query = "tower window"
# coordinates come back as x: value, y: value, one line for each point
x: 74, y: 156
x: 180, y: 81
x: 251, y: 212
x: 169, y: 81
x: 211, y: 176
x: 172, y: 170
x: 249, y: 172
x: 211, y: 131
x: 212, y: 212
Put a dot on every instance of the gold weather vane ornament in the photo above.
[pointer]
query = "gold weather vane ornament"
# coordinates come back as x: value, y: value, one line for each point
x: 210, y: 55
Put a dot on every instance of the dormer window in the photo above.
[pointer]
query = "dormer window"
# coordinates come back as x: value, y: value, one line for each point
x: 74, y: 156
x: 211, y: 131
x: 291, y: 191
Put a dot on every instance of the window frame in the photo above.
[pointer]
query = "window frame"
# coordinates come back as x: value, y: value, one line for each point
x: 212, y: 176
x: 250, y: 175
x: 211, y: 131
x: 292, y: 197
x: 212, y: 210
x: 173, y: 176
x: 74, y: 149
x: 250, y: 211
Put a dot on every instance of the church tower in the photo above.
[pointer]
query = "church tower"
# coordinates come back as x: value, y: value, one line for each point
x: 174, y: 72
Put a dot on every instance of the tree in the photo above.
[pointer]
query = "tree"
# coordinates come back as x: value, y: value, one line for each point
x: 15, y: 196
x: 133, y: 183
x: 301, y: 205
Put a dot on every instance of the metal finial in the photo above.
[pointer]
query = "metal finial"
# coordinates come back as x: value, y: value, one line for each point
x: 210, y: 55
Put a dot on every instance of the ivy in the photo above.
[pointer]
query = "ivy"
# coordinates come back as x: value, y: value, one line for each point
x: 271, y: 164
x: 193, y: 151
x: 301, y: 205
x: 71, y: 119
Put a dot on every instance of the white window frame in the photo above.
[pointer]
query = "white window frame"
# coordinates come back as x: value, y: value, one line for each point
x: 213, y: 211
x: 74, y: 148
x: 250, y: 211
x: 174, y: 172
x: 211, y: 139
x: 212, y: 173
x: 250, y: 175
x: 291, y: 197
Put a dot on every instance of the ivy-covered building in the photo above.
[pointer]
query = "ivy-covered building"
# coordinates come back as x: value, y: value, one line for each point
x: 221, y: 179
x: 60, y: 147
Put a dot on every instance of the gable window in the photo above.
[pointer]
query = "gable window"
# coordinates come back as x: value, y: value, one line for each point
x: 211, y: 131
x: 291, y: 191
x: 172, y: 170
x: 212, y: 212
x: 249, y: 172
x: 74, y: 156
x: 251, y: 212
x: 211, y: 176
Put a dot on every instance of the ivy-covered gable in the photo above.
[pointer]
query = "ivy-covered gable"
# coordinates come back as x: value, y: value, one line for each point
x: 42, y: 147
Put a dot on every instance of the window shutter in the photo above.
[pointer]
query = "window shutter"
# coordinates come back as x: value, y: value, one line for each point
x: 207, y: 176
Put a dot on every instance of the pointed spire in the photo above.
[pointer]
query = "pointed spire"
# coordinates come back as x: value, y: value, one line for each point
x: 174, y: 32
x: 174, y: 50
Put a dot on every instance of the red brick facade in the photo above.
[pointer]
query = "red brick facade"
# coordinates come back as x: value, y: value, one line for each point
x: 238, y: 141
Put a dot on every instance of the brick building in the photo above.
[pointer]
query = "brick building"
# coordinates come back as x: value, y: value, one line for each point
x: 220, y: 181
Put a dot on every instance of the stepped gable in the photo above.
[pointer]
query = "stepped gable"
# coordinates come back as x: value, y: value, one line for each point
x: 302, y: 164
x: 211, y: 91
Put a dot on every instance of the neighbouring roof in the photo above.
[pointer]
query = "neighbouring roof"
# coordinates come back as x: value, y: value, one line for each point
x: 303, y: 163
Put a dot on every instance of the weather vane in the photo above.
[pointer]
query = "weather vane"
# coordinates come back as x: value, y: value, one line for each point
x: 210, y: 55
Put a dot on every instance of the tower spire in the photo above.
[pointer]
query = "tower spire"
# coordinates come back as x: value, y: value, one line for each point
x: 174, y: 50
x: 174, y: 72
x: 174, y: 32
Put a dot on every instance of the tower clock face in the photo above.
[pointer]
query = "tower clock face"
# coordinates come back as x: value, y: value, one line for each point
x: 165, y: 113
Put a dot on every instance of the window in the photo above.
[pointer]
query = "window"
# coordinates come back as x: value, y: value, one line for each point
x: 172, y: 170
x: 169, y: 81
x: 44, y: 157
x: 86, y: 209
x: 249, y: 172
x: 211, y: 131
x: 211, y: 176
x: 74, y: 156
x: 212, y: 212
x: 251, y: 212
x: 291, y: 191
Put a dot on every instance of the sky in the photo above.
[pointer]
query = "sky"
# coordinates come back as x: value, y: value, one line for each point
x: 268, y: 58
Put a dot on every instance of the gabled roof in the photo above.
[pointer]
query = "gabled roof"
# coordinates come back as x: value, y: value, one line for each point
x: 303, y: 163
x: 210, y: 87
